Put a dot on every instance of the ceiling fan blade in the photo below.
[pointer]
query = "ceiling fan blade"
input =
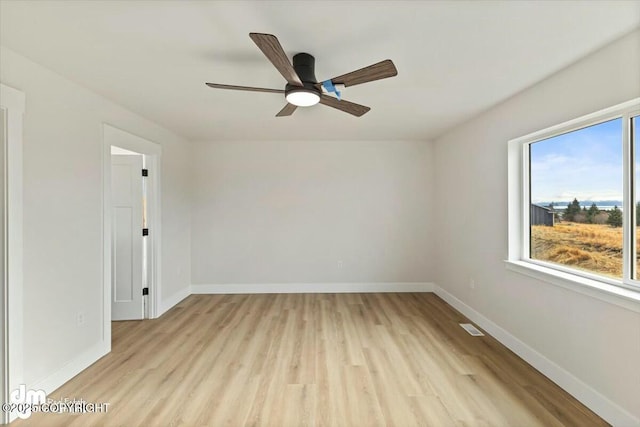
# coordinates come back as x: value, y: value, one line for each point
x: 249, y: 88
x: 346, y: 106
x: 287, y: 110
x: 270, y: 46
x: 381, y: 70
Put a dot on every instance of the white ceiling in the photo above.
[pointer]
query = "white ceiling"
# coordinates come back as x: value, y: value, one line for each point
x: 454, y: 59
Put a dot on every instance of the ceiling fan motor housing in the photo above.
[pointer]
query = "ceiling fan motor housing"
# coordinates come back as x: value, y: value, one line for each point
x: 304, y: 65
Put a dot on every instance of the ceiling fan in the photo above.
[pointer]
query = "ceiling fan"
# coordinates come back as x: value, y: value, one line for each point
x: 302, y: 88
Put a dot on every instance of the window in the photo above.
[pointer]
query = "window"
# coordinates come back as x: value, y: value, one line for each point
x: 575, y: 207
x: 576, y: 177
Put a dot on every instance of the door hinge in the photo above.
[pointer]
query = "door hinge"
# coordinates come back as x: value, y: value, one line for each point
x: 145, y: 231
x: 145, y: 172
x: 145, y: 291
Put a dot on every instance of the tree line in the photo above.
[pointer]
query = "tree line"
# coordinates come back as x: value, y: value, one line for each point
x: 593, y: 215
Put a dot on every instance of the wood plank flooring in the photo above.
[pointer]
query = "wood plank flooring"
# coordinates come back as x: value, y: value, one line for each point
x: 313, y: 360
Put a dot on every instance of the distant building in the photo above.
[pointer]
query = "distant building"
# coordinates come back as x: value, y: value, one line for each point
x: 540, y: 215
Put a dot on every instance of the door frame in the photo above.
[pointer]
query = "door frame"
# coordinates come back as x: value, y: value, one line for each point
x: 152, y: 152
x: 12, y: 101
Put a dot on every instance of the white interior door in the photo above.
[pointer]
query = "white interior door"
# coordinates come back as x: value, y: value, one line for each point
x: 127, y: 256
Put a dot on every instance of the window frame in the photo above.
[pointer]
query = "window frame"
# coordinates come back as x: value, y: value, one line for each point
x: 519, y: 202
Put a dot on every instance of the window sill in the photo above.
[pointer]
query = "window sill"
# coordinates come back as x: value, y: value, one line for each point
x: 603, y: 291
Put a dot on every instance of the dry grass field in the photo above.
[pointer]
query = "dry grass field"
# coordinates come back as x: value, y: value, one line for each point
x: 592, y: 247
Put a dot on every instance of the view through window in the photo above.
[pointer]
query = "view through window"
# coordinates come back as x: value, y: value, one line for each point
x: 576, y: 196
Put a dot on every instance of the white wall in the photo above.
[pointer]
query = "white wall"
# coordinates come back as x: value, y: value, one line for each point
x: 597, y: 342
x: 63, y: 212
x: 312, y: 212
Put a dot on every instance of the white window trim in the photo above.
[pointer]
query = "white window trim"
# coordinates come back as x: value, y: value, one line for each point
x: 624, y: 292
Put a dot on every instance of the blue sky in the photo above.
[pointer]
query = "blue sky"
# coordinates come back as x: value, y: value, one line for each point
x: 585, y: 164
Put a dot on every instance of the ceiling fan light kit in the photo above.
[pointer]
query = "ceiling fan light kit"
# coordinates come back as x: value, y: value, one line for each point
x: 302, y: 88
x: 302, y: 97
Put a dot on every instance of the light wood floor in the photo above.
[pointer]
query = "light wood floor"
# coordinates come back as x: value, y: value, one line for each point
x: 296, y: 360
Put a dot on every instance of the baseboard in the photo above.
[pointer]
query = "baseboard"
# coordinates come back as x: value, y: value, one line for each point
x: 605, y: 408
x: 174, y: 299
x: 71, y: 369
x: 311, y: 288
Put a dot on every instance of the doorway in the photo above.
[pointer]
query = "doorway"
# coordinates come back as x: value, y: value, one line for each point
x: 131, y: 227
x: 12, y: 104
x: 3, y: 243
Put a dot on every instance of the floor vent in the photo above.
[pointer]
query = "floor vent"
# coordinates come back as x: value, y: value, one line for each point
x: 472, y: 329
